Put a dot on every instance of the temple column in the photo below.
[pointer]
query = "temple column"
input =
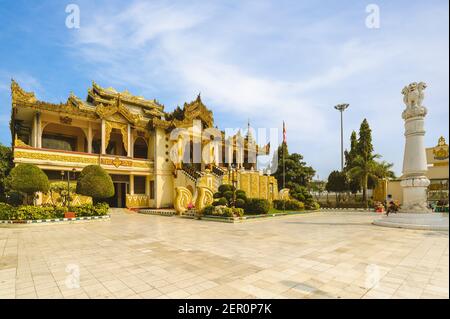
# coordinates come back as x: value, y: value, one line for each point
x: 103, y: 150
x: 130, y: 147
x: 147, y: 186
x: 131, y: 184
x: 39, y: 130
x: 89, y: 138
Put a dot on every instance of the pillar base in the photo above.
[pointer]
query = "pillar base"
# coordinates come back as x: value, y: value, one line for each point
x: 423, y: 221
x: 415, y: 195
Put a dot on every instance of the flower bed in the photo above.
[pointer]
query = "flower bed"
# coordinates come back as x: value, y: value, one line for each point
x: 28, y: 212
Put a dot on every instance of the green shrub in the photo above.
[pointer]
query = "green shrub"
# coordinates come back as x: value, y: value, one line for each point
x: 87, y: 210
x: 208, y: 210
x: 257, y: 206
x: 227, y: 212
x: 312, y: 206
x: 241, y: 194
x: 240, y: 203
x: 222, y: 211
x: 6, y: 210
x: 14, y: 198
x: 238, y: 212
x: 221, y: 202
x: 28, y: 179
x: 95, y: 182
x: 28, y: 212
x: 288, y: 204
x: 217, y: 195
x: 228, y: 195
x: 225, y: 188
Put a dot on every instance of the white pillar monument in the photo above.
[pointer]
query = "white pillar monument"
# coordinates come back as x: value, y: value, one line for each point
x: 414, y: 181
x: 414, y: 212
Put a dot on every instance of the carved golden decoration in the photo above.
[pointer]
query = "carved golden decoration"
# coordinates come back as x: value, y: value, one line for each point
x: 104, y: 111
x: 123, y: 129
x: 65, y: 120
x: 155, y: 122
x: 116, y: 162
x: 142, y: 164
x: 19, y: 95
x: 284, y: 194
x: 195, y: 110
x: 110, y: 95
x: 441, y: 141
x: 204, y: 197
x: 137, y: 201
x: 76, y: 199
x: 440, y: 152
x: 183, y: 198
x: 55, y: 157
x: 19, y: 143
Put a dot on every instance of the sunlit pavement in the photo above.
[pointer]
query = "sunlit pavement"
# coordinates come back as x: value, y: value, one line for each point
x: 317, y: 255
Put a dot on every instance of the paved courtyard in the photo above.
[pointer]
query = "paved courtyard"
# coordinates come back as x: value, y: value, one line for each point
x: 317, y: 255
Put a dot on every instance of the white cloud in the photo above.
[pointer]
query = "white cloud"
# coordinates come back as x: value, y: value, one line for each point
x: 182, y: 49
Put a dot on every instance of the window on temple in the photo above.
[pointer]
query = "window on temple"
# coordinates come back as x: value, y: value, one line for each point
x: 115, y: 145
x: 59, y: 142
x: 140, y: 149
x: 63, y: 137
x: 139, y: 184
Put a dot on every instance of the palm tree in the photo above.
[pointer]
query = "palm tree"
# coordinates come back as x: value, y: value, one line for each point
x: 384, y: 170
x: 365, y: 167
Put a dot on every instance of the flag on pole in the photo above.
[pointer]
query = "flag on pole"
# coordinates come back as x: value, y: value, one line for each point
x: 284, y: 133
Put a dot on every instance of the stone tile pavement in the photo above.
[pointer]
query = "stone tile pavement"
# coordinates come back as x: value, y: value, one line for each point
x: 317, y: 255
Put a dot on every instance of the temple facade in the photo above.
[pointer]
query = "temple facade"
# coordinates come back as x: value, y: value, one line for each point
x: 148, y: 152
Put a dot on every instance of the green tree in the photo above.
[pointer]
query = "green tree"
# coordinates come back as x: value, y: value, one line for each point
x: 337, y: 183
x: 6, y: 164
x: 364, y: 146
x: 28, y: 179
x: 95, y: 182
x: 354, y: 185
x: 364, y: 169
x: 351, y: 155
x: 297, y: 172
x: 360, y: 163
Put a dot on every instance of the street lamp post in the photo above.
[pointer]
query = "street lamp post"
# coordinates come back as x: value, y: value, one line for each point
x: 341, y: 108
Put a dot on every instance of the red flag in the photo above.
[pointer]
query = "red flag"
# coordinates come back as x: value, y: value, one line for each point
x: 284, y: 133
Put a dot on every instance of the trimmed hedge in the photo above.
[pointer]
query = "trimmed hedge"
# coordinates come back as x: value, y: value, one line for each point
x: 27, y: 212
x: 240, y: 203
x: 257, y: 206
x: 225, y: 188
x: 288, y: 204
x: 95, y: 182
x: 28, y: 179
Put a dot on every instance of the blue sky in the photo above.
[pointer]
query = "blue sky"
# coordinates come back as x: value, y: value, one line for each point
x: 266, y: 61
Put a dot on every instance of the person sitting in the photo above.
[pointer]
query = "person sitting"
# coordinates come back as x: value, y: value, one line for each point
x: 392, y: 207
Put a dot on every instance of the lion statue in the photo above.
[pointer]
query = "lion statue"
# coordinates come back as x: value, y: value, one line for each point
x: 413, y: 94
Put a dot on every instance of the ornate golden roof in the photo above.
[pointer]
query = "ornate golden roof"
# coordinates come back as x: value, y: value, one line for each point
x: 193, y: 111
x: 110, y: 96
x: 100, y: 104
x: 18, y: 94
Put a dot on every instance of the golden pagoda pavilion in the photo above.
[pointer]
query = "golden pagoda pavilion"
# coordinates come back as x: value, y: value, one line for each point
x: 133, y: 139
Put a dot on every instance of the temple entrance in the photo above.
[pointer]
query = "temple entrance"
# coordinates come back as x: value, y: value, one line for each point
x: 121, y: 186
